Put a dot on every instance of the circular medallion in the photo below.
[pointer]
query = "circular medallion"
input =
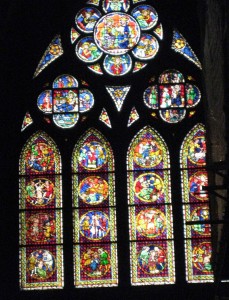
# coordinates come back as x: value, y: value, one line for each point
x: 150, y: 222
x: 86, y: 19
x: 40, y: 158
x: 201, y: 213
x: 117, y: 65
x: 116, y: 33
x: 87, y: 50
x: 94, y: 225
x: 148, y: 187
x: 93, y: 190
x: 92, y: 155
x: 152, y: 259
x: 55, y: 49
x: 147, y: 153
x: 41, y: 264
x: 201, y: 257
x: 197, y: 150
x: 95, y: 262
x: 40, y: 192
x: 146, y: 16
x: 197, y: 182
x: 41, y: 228
x: 115, y: 5
x: 147, y: 47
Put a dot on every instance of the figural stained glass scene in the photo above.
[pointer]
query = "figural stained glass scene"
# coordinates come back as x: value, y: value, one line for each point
x: 173, y: 97
x: 94, y: 212
x: 65, y: 102
x: 40, y: 238
x: 115, y: 36
x: 195, y: 198
x: 150, y: 210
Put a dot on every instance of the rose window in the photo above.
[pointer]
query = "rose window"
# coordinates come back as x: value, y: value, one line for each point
x: 118, y: 40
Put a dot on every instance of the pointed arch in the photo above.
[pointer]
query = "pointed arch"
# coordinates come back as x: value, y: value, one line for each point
x: 195, y: 200
x: 94, y: 212
x: 40, y: 206
x: 150, y: 209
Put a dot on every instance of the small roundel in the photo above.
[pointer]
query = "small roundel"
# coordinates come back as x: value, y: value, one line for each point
x: 152, y: 259
x: 147, y: 47
x: 87, y: 50
x: 93, y: 190
x: 86, y: 19
x: 117, y: 65
x: 40, y: 264
x: 116, y: 33
x: 92, y: 155
x: 146, y: 16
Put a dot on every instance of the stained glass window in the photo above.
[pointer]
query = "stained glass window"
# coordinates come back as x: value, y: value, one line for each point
x: 65, y: 101
x: 194, y: 179
x: 173, y: 97
x: 53, y: 51
x: 40, y: 205
x: 114, y: 36
x: 150, y: 210
x: 112, y: 41
x: 95, y: 244
x: 180, y: 45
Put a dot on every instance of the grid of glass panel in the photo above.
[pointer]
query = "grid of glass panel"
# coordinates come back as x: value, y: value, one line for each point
x: 194, y: 178
x: 94, y: 214
x: 40, y: 203
x: 150, y: 210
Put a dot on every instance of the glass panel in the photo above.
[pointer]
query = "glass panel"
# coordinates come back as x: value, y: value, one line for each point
x: 194, y: 179
x: 95, y: 265
x: 180, y: 45
x: 41, y: 260
x: 94, y: 215
x: 152, y: 262
x: 150, y: 210
x: 53, y: 51
x: 41, y: 267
